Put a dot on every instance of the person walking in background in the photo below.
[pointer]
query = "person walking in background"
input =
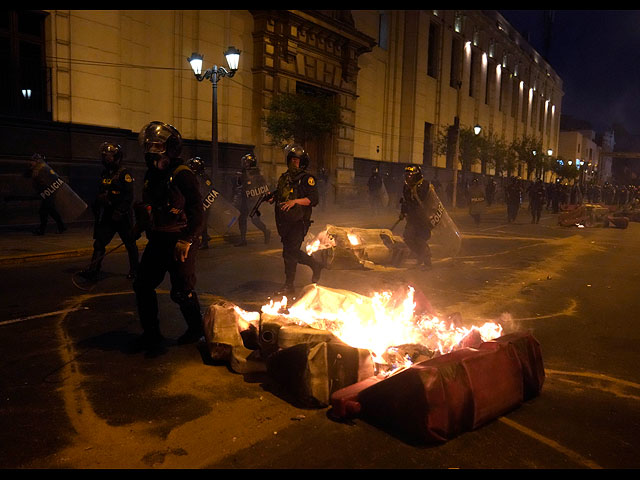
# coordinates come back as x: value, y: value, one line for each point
x: 41, y: 175
x: 477, y: 202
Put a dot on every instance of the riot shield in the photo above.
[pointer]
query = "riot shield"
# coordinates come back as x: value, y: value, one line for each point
x: 444, y: 232
x: 67, y: 202
x: 254, y: 187
x: 222, y: 215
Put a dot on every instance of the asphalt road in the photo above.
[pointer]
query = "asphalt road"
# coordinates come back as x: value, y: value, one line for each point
x: 74, y: 396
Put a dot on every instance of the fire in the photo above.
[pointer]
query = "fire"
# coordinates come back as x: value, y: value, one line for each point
x: 379, y: 323
x: 323, y: 241
x: 353, y: 239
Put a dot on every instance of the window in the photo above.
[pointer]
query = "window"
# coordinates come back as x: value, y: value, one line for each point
x: 456, y: 59
x: 383, y: 30
x: 457, y: 23
x: 433, y: 50
x: 23, y: 80
x: 427, y: 152
x: 515, y: 96
x: 491, y: 78
x: 473, y: 72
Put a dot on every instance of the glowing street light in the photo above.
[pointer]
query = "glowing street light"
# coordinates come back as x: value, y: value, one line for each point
x: 214, y: 74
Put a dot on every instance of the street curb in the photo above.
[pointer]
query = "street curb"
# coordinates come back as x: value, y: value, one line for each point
x: 80, y: 252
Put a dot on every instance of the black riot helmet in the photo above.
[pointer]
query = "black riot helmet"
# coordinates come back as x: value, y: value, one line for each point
x: 37, y: 157
x: 160, y: 138
x: 111, y: 155
x: 294, y: 150
x: 197, y: 165
x: 248, y: 161
x: 412, y: 175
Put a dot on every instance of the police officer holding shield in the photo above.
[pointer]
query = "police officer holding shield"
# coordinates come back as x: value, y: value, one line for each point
x: 113, y: 211
x: 206, y: 188
x: 294, y: 199
x: 37, y: 171
x: 417, y: 232
x: 173, y: 225
x: 249, y: 187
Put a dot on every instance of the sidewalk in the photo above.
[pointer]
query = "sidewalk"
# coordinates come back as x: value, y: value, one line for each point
x: 21, y: 246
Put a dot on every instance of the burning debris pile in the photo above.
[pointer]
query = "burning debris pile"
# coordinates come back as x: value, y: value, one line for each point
x: 367, y: 355
x: 350, y: 247
x: 592, y: 215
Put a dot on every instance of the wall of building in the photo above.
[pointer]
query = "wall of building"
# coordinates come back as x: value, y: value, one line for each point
x: 394, y: 83
x: 112, y: 71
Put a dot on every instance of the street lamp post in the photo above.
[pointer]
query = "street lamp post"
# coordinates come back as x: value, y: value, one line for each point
x: 214, y: 74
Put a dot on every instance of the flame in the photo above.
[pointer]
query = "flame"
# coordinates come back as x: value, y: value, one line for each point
x: 378, y: 323
x: 353, y: 239
x: 323, y: 241
x: 245, y: 319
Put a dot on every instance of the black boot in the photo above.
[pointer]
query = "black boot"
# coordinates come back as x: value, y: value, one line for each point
x: 317, y: 270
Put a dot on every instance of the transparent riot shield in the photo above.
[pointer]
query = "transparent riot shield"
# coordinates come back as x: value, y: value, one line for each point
x: 444, y: 232
x: 222, y: 215
x: 254, y: 187
x: 67, y: 202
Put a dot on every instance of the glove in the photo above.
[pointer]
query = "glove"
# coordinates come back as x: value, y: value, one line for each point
x: 181, y: 250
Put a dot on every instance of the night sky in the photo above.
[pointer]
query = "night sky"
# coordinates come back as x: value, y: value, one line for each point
x: 597, y: 55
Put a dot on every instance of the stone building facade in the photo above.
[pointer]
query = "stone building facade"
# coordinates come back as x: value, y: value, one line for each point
x: 398, y: 76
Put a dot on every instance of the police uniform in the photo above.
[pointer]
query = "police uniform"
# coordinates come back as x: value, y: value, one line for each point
x: 40, y: 176
x: 293, y: 224
x: 536, y: 200
x: 246, y: 193
x: 113, y: 214
x: 172, y: 198
x: 417, y: 231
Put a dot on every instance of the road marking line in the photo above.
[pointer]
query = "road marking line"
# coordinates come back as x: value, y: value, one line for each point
x: 551, y: 443
x: 598, y: 376
x: 42, y: 315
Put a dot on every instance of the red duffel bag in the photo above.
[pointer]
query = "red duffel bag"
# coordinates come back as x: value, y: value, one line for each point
x: 436, y: 400
x: 430, y: 401
x: 495, y: 380
x: 530, y: 356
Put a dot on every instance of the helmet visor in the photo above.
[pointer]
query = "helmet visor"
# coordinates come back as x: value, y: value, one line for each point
x: 153, y: 137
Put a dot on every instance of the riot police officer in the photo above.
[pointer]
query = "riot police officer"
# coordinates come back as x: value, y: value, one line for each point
x: 294, y: 199
x: 250, y: 185
x: 376, y: 190
x: 536, y: 200
x: 206, y: 186
x: 113, y: 212
x: 513, y: 198
x: 417, y: 231
x: 171, y: 196
x: 37, y: 171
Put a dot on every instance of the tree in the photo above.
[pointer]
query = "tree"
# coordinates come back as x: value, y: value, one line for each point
x: 300, y: 117
x: 529, y: 152
x: 469, y: 145
x: 494, y: 152
x: 565, y: 169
